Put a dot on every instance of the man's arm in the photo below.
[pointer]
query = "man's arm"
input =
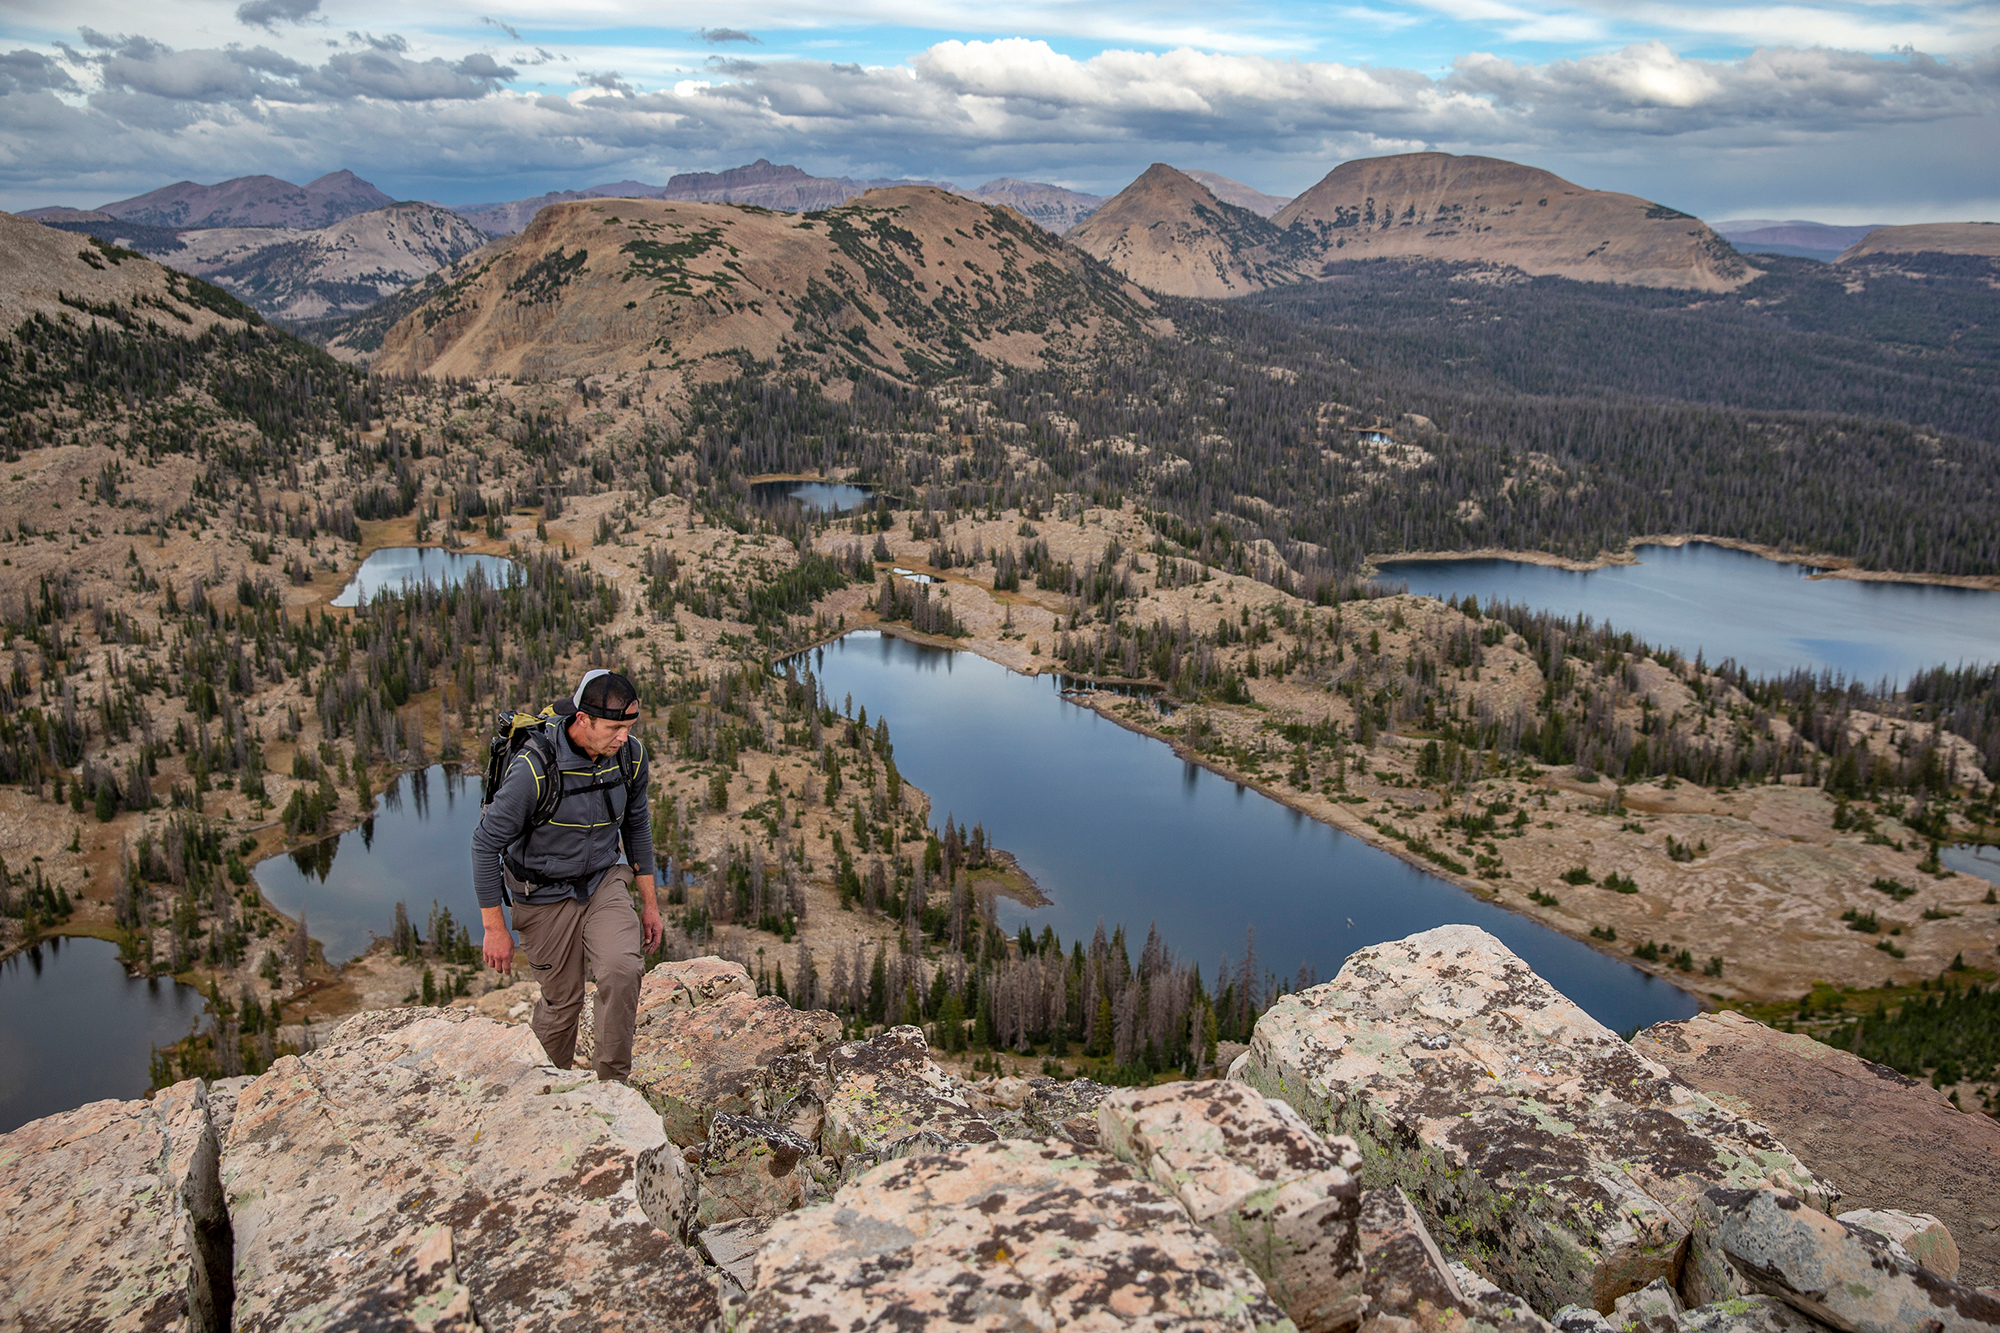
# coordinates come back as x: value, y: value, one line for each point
x: 497, y: 830
x: 637, y: 832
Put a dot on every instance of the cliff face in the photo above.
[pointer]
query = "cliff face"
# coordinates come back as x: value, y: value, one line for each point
x: 906, y: 280
x: 335, y: 270
x: 1438, y: 206
x: 1435, y: 1140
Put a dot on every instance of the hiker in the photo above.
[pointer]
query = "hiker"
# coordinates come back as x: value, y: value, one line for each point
x: 548, y: 842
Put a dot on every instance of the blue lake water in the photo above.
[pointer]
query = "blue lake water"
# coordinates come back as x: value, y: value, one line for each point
x: 827, y: 497
x: 415, y: 850
x: 395, y: 567
x: 1726, y: 603
x: 1116, y: 828
x: 1972, y: 859
x: 70, y: 996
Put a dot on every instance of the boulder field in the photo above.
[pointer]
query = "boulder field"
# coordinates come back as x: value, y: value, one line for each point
x: 1436, y: 1141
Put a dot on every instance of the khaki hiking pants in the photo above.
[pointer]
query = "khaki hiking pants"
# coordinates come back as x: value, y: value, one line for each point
x: 564, y: 939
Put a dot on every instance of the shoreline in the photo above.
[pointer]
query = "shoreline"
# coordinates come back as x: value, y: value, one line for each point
x: 1825, y: 566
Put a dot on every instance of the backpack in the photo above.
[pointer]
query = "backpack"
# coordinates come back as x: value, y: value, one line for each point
x: 535, y: 732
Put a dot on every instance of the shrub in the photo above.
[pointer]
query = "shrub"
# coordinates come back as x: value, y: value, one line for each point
x: 1618, y: 883
x: 1577, y: 875
x: 1864, y: 922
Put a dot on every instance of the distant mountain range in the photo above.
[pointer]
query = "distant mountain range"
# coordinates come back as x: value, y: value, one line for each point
x: 1172, y: 233
x: 246, y: 201
x: 295, y: 275
x: 1805, y: 240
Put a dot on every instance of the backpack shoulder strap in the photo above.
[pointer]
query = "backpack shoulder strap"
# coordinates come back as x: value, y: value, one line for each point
x: 540, y: 748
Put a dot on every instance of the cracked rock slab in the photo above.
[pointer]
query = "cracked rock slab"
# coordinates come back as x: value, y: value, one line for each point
x: 695, y: 1061
x: 1065, y: 1110
x: 1009, y: 1235
x: 93, y: 1226
x: 1253, y: 1174
x: 1923, y: 1237
x: 1846, y: 1277
x: 1410, y: 1286
x: 887, y: 1089
x: 1540, y: 1148
x: 413, y: 1118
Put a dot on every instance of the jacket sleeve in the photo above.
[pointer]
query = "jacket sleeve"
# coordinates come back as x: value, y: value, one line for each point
x: 637, y: 827
x: 501, y: 824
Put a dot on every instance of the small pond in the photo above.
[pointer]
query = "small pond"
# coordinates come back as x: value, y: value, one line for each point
x: 825, y: 497
x: 1727, y: 603
x: 416, y: 850
x: 69, y: 996
x: 1971, y: 858
x: 395, y: 567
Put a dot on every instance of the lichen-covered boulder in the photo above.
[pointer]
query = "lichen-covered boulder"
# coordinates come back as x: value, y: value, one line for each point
x: 1001, y: 1236
x: 93, y: 1221
x: 752, y: 1168
x: 668, y: 1193
x: 1539, y: 1146
x: 1923, y: 1237
x: 1255, y: 1176
x: 693, y: 1061
x: 1655, y: 1305
x: 888, y: 1088
x: 1065, y: 1110
x: 732, y: 1247
x: 1410, y: 1286
x: 405, y: 1119
x: 423, y: 1295
x: 1743, y: 1314
x: 1887, y: 1141
x: 692, y: 983
x: 1847, y: 1277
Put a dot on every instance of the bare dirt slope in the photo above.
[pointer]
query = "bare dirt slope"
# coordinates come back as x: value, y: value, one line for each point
x: 1950, y: 238
x: 62, y: 275
x: 1440, y: 206
x: 1169, y: 232
x: 908, y: 280
x: 1236, y: 192
x: 335, y: 270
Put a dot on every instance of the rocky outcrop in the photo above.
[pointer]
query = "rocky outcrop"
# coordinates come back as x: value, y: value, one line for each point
x: 423, y: 1171
x: 1250, y: 1172
x: 887, y: 1090
x: 94, y: 1221
x: 695, y: 1061
x: 1948, y: 238
x: 339, y: 1163
x: 1538, y: 1146
x: 1002, y: 1235
x: 1887, y: 1142
x: 1845, y: 1276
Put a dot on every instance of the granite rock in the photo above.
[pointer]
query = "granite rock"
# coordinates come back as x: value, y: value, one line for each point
x: 1846, y: 1277
x: 1004, y: 1235
x: 1412, y: 1289
x: 1923, y: 1237
x: 693, y: 1061
x: 1745, y: 1314
x: 1056, y: 1109
x: 732, y: 1247
x: 412, y: 1118
x: 1255, y: 1176
x: 888, y: 1088
x: 668, y: 1193
x: 422, y: 1295
x: 752, y: 1168
x: 1539, y: 1146
x: 1653, y: 1308
x: 1887, y: 1141
x: 93, y: 1221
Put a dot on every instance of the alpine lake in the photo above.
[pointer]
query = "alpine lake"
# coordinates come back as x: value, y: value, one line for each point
x: 1113, y: 826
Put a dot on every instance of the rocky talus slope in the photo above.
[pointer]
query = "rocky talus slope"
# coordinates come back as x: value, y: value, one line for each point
x: 910, y: 280
x: 1434, y: 1142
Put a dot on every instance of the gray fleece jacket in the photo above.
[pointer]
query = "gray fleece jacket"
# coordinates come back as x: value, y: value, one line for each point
x: 581, y: 842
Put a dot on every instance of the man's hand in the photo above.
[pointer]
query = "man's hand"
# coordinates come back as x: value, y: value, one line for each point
x: 649, y: 913
x: 498, y: 948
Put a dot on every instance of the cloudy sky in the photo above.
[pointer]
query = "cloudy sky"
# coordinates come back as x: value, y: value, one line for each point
x: 1838, y: 110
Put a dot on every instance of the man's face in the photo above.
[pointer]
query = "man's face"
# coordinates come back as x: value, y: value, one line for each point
x: 600, y: 737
